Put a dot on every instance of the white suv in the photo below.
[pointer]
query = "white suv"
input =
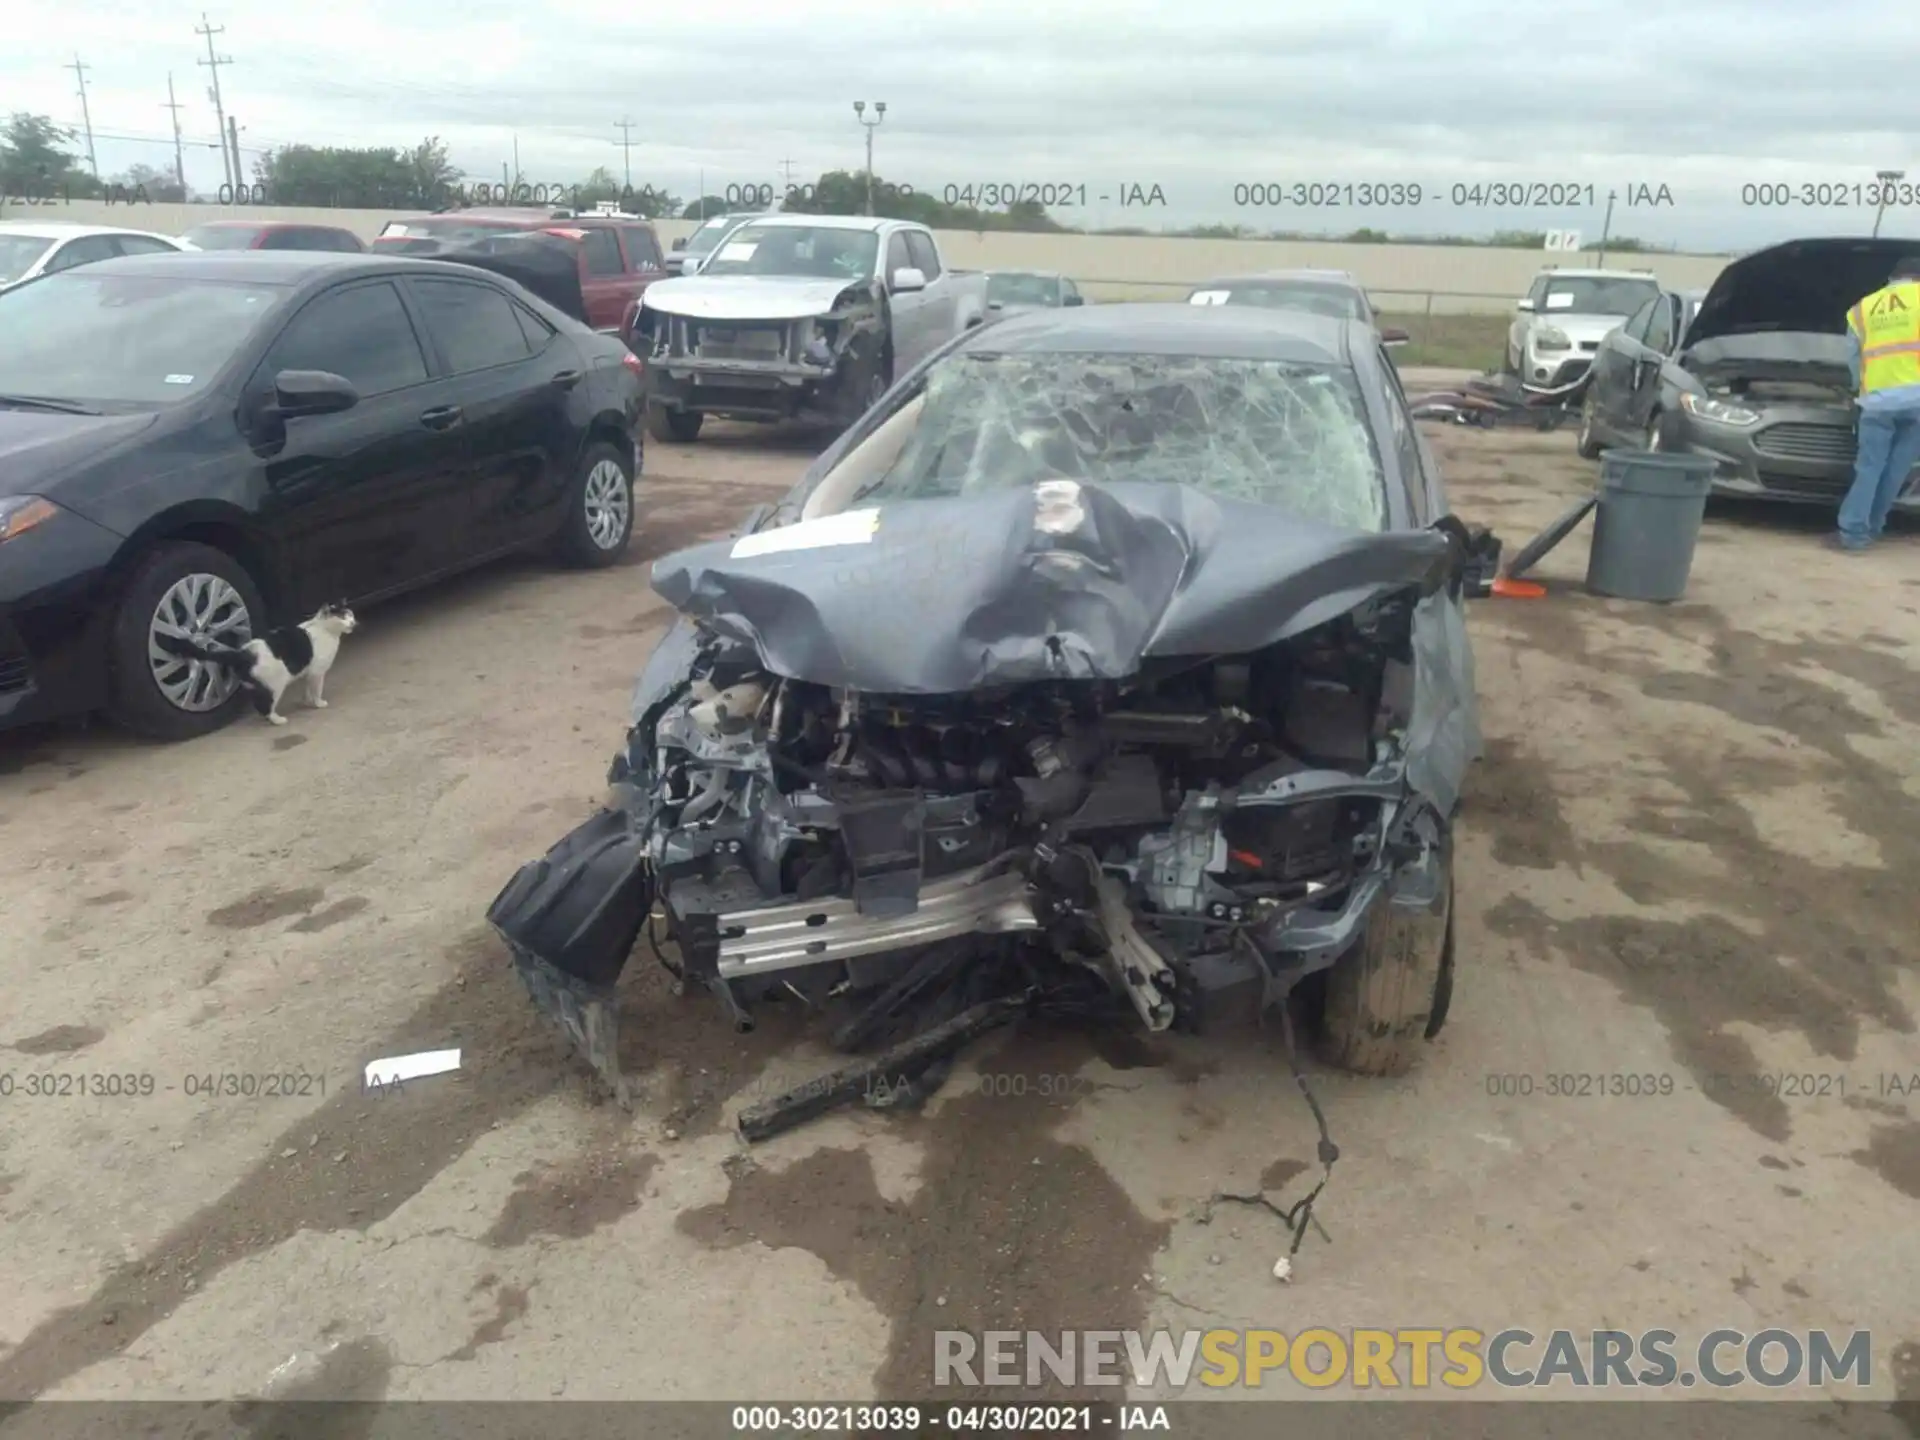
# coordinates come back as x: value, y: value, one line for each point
x: 1558, y: 327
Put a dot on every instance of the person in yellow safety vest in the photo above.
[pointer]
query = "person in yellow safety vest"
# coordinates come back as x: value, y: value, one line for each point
x: 1885, y: 327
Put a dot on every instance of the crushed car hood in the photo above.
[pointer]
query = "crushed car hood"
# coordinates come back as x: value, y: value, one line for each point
x: 746, y: 297
x: 1064, y: 581
x: 1803, y: 285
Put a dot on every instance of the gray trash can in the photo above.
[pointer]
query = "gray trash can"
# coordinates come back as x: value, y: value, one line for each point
x: 1647, y: 523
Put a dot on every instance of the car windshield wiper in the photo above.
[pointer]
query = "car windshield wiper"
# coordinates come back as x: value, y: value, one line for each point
x: 42, y: 402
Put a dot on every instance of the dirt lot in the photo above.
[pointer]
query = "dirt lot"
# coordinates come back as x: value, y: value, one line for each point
x: 1686, y: 857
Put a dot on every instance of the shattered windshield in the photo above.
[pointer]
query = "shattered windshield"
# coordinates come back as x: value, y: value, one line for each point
x: 1273, y: 432
x: 822, y: 252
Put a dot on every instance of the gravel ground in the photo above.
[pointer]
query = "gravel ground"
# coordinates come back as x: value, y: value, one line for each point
x: 1687, y: 856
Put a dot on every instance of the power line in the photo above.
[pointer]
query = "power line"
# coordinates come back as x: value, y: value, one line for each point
x: 626, y: 149
x: 86, y: 115
x: 179, y: 156
x: 213, y: 62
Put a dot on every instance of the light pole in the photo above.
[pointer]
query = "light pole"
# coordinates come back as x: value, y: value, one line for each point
x: 1887, y: 178
x: 879, y: 114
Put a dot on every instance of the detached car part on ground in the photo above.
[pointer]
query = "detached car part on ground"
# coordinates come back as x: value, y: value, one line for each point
x: 1758, y: 378
x: 983, y: 720
x: 798, y: 317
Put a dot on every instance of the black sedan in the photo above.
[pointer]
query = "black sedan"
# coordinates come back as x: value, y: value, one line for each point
x: 205, y: 444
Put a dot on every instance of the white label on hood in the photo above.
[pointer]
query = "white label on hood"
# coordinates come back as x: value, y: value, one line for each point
x: 851, y: 527
x: 1560, y: 300
x: 738, y: 250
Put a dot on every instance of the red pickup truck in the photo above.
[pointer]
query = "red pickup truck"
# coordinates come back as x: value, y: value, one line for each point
x: 619, y: 254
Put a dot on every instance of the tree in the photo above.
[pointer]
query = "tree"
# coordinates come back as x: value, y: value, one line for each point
x: 600, y: 186
x: 34, y: 160
x: 144, y: 182
x: 705, y: 208
x: 356, y: 179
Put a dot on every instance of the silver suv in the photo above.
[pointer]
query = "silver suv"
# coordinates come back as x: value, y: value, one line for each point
x: 1558, y: 327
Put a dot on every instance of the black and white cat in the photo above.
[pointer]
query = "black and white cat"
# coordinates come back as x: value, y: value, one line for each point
x: 272, y: 664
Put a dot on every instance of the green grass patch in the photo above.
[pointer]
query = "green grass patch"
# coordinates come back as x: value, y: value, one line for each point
x: 1465, y: 342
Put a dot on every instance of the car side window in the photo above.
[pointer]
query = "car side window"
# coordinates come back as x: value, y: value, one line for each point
x: 1068, y: 290
x: 1413, y: 470
x: 1660, y: 325
x: 84, y: 251
x: 1636, y: 326
x: 1538, y: 295
x: 926, y: 259
x: 347, y: 242
x: 361, y: 332
x: 474, y: 325
x: 898, y: 256
x: 538, y: 332
x: 142, y: 245
x: 643, y: 251
x: 603, y: 252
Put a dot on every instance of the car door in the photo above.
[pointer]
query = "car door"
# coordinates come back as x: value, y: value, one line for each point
x: 520, y: 380
x: 82, y: 251
x: 907, y: 311
x: 1646, y: 353
x: 604, y: 284
x: 1612, y: 372
x: 942, y: 304
x: 361, y: 502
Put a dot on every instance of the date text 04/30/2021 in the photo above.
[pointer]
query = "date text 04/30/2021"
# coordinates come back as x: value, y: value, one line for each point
x: 1011, y: 1419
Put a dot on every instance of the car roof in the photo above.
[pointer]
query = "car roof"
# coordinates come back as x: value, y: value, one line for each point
x: 266, y: 267
x: 68, y: 230
x: 826, y: 222
x: 1162, y: 328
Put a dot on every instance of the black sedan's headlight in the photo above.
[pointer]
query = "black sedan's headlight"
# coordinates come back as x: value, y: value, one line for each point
x: 21, y: 513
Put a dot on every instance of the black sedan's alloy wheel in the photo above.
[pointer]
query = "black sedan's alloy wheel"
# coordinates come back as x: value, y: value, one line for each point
x: 180, y: 590
x: 599, y: 520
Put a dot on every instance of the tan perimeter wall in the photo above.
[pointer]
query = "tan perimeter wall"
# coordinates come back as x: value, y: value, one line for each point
x: 1443, y: 278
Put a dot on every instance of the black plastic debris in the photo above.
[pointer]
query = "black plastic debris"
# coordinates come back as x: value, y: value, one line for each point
x: 1536, y: 549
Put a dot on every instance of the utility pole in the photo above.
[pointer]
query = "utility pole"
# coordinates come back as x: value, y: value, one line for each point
x: 179, y: 159
x: 1888, y: 179
x: 213, y: 63
x: 625, y: 128
x: 239, y: 170
x: 879, y: 114
x: 1606, y: 229
x: 86, y: 115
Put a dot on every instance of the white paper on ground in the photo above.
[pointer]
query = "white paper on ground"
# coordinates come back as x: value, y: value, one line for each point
x: 411, y: 1067
x: 850, y: 527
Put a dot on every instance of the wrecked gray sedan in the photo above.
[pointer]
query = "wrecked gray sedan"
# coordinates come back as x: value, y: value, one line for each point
x: 1113, y: 665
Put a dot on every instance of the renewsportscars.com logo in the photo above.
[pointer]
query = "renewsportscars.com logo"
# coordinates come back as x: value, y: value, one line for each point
x: 1413, y: 1359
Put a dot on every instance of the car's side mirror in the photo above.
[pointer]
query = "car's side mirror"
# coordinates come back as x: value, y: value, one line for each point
x: 690, y: 265
x: 312, y: 392
x: 907, y: 279
x: 681, y: 243
x: 1392, y: 336
x: 1525, y: 306
x: 1073, y: 300
x: 996, y: 304
x: 755, y: 518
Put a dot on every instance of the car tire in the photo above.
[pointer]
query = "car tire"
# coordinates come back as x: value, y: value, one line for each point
x: 599, y: 519
x: 1389, y: 995
x: 194, y: 580
x: 1586, y: 444
x: 680, y: 426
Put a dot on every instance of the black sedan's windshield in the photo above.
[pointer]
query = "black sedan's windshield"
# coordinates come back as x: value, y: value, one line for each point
x: 1272, y: 432
x: 823, y: 252
x: 132, y: 340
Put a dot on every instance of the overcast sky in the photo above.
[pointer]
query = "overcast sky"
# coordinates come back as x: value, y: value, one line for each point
x: 1194, y: 98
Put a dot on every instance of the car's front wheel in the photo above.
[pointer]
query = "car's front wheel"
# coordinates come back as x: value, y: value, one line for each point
x: 1390, y: 994
x: 1588, y: 443
x: 179, y: 590
x: 599, y: 520
x: 666, y: 423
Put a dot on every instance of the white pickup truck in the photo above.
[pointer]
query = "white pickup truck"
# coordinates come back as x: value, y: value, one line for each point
x: 807, y: 317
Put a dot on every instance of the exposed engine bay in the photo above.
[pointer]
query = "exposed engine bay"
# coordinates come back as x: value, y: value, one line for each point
x: 1084, y: 829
